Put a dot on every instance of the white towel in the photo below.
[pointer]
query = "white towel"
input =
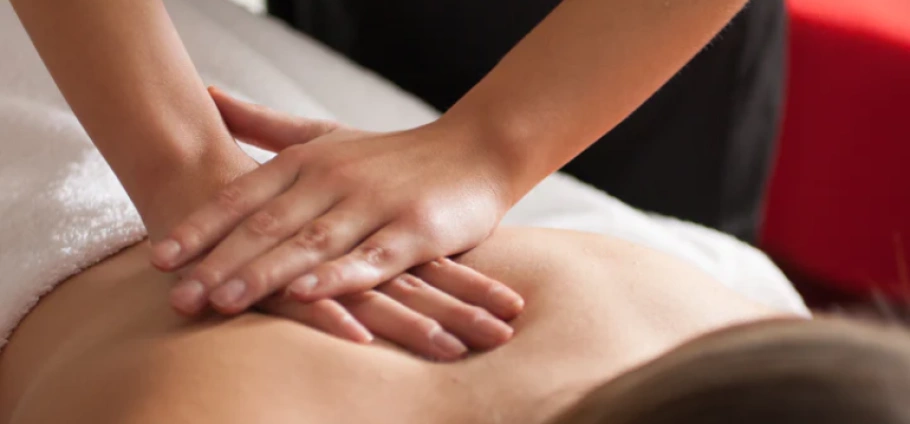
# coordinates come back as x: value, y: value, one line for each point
x: 62, y: 209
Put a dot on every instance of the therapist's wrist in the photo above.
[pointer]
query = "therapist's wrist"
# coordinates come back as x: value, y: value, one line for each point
x: 170, y: 186
x: 507, y: 144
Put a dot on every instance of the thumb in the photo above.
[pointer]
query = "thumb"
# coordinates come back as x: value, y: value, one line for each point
x: 264, y: 127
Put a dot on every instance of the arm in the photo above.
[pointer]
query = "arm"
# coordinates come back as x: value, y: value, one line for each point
x: 583, y: 70
x: 124, y: 71
x: 367, y: 206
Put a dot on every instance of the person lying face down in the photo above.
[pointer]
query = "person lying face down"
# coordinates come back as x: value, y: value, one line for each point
x: 106, y: 346
x: 612, y: 333
x: 827, y: 370
x: 599, y: 339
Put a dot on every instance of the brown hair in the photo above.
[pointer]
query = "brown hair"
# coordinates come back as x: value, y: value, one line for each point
x: 824, y: 371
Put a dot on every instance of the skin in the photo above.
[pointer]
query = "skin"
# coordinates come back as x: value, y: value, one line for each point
x: 126, y: 75
x: 389, y: 201
x: 128, y: 79
x: 277, y: 225
x: 106, y: 347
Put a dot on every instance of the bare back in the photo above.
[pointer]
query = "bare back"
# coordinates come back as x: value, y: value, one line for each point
x: 105, y: 346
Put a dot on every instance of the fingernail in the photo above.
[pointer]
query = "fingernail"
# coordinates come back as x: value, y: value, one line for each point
x: 188, y: 296
x: 229, y: 294
x: 447, y: 344
x: 493, y: 330
x: 303, y: 285
x: 166, y: 252
x: 355, y: 330
x: 506, y: 300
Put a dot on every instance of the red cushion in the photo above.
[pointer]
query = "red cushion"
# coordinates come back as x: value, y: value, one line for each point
x: 838, y: 207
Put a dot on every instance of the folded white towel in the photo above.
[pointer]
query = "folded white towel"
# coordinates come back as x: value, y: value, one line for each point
x: 62, y: 209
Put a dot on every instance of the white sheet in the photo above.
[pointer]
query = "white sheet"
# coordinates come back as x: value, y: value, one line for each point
x: 61, y: 209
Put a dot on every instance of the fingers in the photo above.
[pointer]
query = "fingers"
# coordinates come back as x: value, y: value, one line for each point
x: 218, y: 217
x: 325, y: 315
x: 385, y: 254
x: 466, y: 284
x: 354, y: 316
x: 264, y: 127
x: 474, y: 325
x: 397, y: 323
x: 327, y: 237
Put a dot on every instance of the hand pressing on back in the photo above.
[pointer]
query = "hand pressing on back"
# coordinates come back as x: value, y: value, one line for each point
x: 436, y: 310
x: 336, y: 213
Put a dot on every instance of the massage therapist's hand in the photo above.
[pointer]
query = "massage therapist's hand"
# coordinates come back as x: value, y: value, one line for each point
x: 340, y: 214
x: 427, y: 311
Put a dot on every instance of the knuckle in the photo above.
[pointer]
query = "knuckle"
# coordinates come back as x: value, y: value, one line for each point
x: 231, y: 200
x: 435, y: 266
x: 428, y: 213
x: 209, y: 275
x: 258, y: 279
x: 411, y: 282
x: 429, y: 222
x: 331, y: 273
x: 370, y: 296
x: 376, y: 254
x: 423, y: 325
x: 404, y: 287
x: 317, y: 236
x: 263, y: 224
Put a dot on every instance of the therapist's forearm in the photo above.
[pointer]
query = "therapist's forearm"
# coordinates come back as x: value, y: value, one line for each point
x: 125, y: 73
x: 582, y: 71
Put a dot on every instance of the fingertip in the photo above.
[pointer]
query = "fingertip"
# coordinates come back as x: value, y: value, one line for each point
x: 485, y: 331
x: 188, y: 297
x: 219, y: 96
x: 165, y: 254
x: 223, y: 99
x: 302, y: 288
x: 508, y: 304
x: 218, y: 92
x: 355, y: 331
x: 445, y: 345
x: 228, y: 299
x: 227, y: 310
x: 159, y: 266
x: 516, y: 307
